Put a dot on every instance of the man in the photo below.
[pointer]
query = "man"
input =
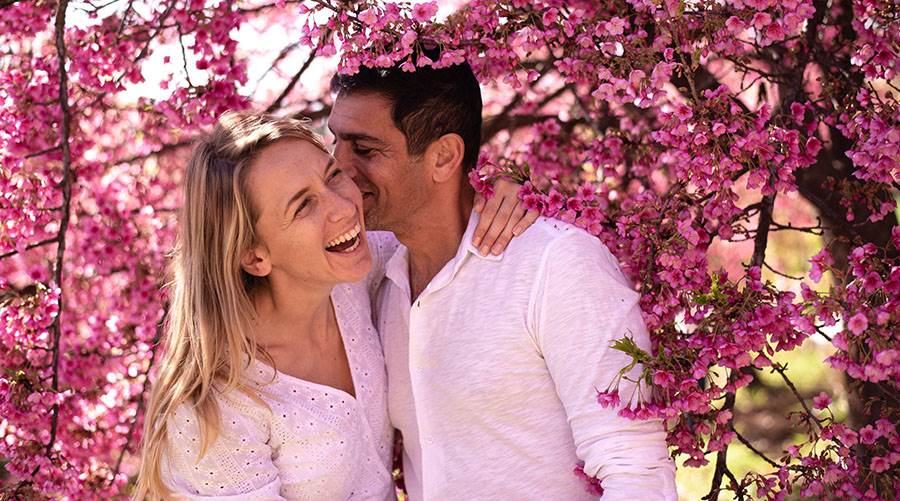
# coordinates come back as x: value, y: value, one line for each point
x: 494, y: 359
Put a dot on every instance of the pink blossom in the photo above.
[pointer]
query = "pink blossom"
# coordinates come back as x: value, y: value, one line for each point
x: 734, y: 24
x: 868, y: 435
x: 879, y: 464
x: 369, y: 16
x: 858, y: 323
x: 821, y: 401
x: 424, y: 12
x: 608, y: 398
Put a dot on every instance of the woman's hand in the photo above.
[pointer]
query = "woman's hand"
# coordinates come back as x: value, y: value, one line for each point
x: 502, y: 218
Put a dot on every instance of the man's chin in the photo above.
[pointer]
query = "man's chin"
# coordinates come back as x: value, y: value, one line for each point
x: 371, y: 221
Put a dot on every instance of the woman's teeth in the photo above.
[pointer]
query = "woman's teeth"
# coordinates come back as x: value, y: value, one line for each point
x: 347, y: 242
x: 345, y: 237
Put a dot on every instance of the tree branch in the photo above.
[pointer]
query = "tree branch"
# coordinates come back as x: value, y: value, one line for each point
x: 30, y: 246
x: 43, y: 152
x: 790, y: 384
x: 296, y: 78
x: 747, y: 444
x: 55, y: 328
x: 721, y: 457
x: 762, y: 230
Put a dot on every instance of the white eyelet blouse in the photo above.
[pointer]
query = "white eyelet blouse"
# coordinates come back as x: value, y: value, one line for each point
x: 317, y: 442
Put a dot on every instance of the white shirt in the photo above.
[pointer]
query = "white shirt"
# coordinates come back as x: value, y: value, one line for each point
x: 493, y: 373
x: 317, y: 442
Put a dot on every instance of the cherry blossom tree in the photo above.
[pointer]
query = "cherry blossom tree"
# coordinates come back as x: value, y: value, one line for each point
x: 668, y: 129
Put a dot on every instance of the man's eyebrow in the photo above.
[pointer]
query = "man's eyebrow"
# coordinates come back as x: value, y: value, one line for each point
x: 357, y: 136
x: 299, y: 194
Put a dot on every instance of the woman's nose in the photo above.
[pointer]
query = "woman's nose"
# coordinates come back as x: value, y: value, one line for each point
x: 343, y: 207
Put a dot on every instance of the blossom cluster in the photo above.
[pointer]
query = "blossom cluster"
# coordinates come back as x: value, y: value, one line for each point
x: 666, y: 129
x: 627, y: 133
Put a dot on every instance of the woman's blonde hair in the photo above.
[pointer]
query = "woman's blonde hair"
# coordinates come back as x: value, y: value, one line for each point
x: 207, y: 340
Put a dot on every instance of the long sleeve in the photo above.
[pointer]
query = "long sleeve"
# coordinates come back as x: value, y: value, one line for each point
x: 236, y: 466
x: 581, y: 303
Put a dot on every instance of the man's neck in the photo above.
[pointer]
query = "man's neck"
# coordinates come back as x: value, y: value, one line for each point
x: 435, y: 238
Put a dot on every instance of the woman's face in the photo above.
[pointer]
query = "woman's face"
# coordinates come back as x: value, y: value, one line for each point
x: 309, y: 224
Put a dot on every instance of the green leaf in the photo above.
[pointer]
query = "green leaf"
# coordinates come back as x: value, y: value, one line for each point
x: 627, y: 345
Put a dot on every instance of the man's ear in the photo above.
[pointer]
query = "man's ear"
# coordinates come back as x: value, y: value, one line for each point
x: 444, y: 156
x: 256, y: 261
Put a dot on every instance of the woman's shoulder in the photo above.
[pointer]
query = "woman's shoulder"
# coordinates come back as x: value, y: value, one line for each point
x: 239, y: 413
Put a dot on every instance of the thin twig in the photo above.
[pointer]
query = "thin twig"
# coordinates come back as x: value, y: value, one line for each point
x: 260, y: 8
x: 747, y: 443
x: 779, y: 273
x: 187, y: 74
x: 296, y: 78
x: 815, y: 230
x: 780, y: 370
x: 43, y: 152
x: 141, y: 399
x: 30, y: 246
x: 162, y: 149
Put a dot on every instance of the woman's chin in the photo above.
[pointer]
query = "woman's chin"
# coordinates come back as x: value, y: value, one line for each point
x: 351, y: 265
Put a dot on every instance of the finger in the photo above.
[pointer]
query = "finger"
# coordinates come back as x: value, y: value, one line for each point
x: 507, y: 234
x: 479, y: 202
x: 487, y: 218
x: 526, y: 222
x: 497, y: 225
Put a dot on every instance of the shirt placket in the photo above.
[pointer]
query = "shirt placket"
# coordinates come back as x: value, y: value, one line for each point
x: 421, y: 333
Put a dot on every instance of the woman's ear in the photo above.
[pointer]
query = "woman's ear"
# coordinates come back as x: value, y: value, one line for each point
x: 256, y: 261
x: 445, y: 156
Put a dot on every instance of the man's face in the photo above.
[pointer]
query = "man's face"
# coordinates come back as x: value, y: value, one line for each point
x: 370, y: 148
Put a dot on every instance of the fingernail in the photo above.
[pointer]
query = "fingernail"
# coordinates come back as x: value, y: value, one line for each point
x: 516, y: 231
x: 476, y: 241
x: 484, y: 250
x: 496, y: 250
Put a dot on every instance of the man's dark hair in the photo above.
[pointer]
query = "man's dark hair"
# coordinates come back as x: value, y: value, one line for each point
x: 426, y: 103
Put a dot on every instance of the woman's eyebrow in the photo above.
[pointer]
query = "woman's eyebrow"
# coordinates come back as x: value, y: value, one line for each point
x: 301, y: 192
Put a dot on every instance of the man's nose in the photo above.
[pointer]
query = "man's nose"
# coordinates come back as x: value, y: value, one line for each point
x: 351, y: 170
x: 343, y: 163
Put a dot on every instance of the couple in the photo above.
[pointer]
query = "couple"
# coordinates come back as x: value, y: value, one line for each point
x: 298, y: 342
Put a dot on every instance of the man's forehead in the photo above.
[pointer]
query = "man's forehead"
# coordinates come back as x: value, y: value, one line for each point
x: 366, y: 106
x: 361, y: 115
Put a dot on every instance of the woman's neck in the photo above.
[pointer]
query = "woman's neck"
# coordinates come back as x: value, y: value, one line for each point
x: 283, y: 316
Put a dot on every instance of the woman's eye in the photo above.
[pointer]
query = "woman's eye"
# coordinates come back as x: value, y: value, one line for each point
x: 335, y: 173
x: 300, y: 208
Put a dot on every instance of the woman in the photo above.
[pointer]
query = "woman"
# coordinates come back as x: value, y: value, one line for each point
x: 272, y: 381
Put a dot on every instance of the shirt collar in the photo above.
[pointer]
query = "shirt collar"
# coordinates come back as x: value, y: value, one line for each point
x: 397, y: 267
x: 466, y: 243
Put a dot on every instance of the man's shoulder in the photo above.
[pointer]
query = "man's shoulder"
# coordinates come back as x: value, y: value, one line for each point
x: 552, y: 235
